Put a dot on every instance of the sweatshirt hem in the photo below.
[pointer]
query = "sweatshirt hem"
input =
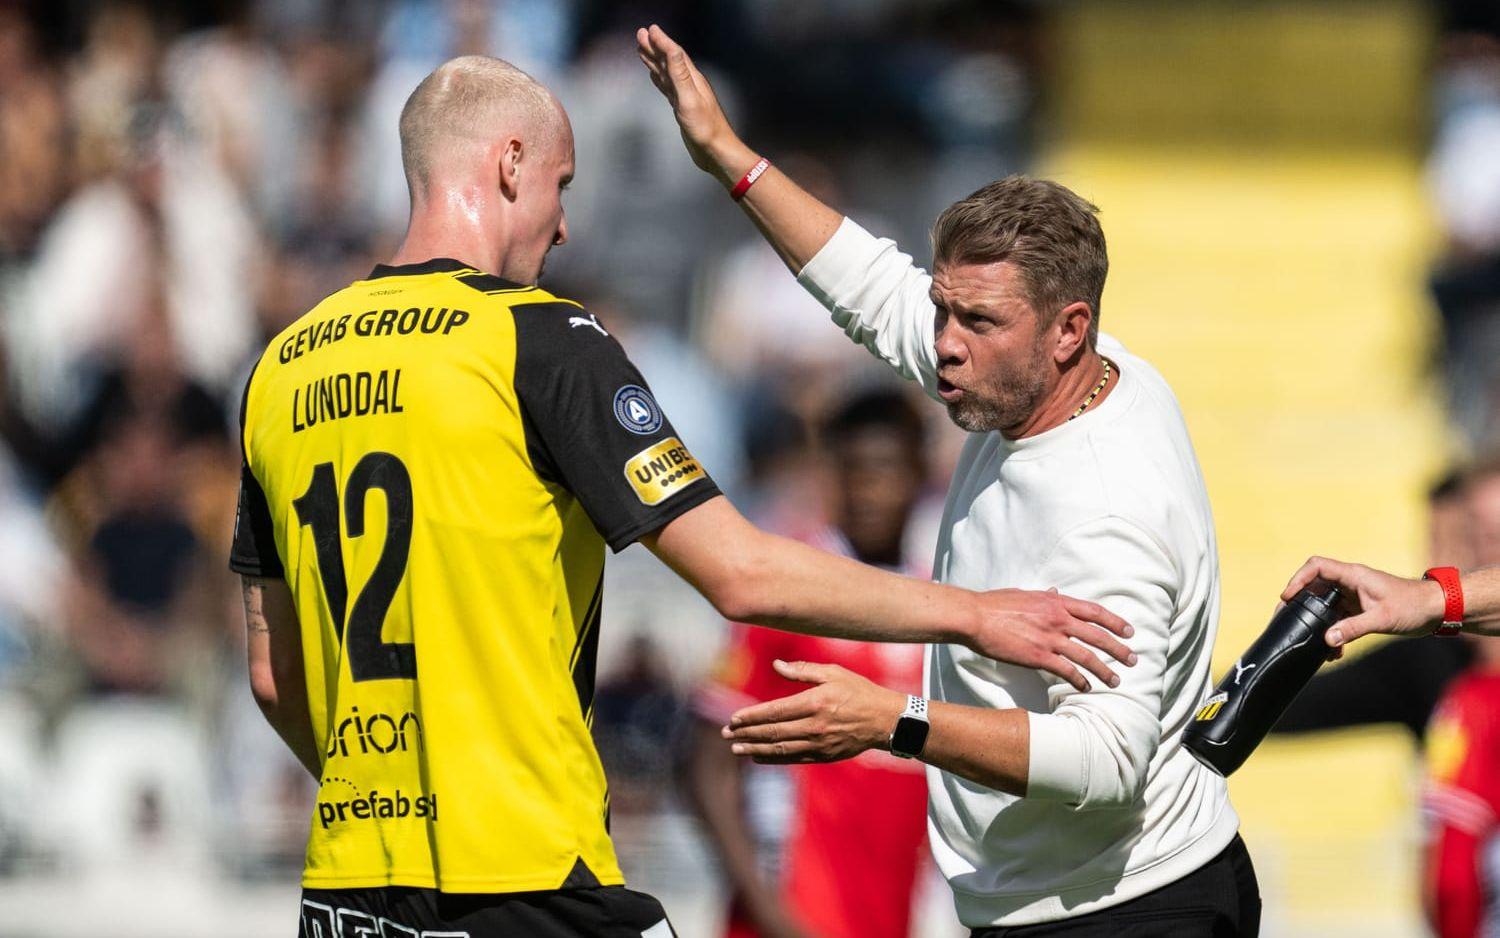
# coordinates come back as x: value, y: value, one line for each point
x: 984, y: 910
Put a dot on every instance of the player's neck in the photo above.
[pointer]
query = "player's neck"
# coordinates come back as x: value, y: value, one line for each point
x: 457, y: 223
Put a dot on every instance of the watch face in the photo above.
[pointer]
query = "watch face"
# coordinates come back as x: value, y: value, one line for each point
x: 910, y: 736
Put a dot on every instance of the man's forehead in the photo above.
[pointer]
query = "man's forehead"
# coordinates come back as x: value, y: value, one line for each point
x: 977, y: 280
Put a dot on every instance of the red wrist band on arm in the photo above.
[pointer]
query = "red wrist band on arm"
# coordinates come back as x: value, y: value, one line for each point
x: 743, y: 186
x: 1453, y: 598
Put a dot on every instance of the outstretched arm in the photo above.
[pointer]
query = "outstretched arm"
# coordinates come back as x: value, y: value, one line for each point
x: 275, y: 656
x: 752, y: 576
x: 1396, y: 605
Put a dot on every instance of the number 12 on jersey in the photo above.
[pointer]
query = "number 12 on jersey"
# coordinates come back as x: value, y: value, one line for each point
x: 370, y: 657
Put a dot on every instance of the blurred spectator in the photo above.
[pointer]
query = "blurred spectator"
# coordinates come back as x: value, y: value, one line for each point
x: 33, y: 171
x: 635, y: 716
x: 236, y: 104
x: 156, y: 219
x: 1464, y: 176
x: 139, y: 599
x: 874, y: 443
x: 31, y: 571
x: 116, y: 69
x: 640, y: 221
x: 1461, y: 879
x: 325, y: 243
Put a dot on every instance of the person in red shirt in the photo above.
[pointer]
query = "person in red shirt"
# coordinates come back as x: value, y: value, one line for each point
x: 856, y: 838
x: 1461, y: 801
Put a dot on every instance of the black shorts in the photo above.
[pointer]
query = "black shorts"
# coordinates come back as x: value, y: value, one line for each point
x: 401, y: 912
x: 1220, y: 899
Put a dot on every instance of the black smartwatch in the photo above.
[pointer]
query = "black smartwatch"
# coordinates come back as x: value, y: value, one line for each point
x: 910, y: 734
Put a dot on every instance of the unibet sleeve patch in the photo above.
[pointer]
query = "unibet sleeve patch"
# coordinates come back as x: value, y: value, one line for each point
x: 662, y: 470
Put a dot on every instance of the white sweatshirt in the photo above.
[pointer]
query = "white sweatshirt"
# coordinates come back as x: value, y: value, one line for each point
x: 1110, y: 507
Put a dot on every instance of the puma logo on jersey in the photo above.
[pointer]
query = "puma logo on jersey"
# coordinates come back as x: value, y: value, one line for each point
x: 1239, y: 671
x: 590, y: 320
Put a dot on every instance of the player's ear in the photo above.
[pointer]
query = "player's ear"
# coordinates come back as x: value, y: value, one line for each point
x: 510, y: 169
x: 1073, y: 329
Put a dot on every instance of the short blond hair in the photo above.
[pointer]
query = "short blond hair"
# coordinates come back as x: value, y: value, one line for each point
x: 472, y: 98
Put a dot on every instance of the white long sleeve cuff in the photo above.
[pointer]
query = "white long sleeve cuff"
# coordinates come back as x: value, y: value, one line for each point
x: 1059, y: 768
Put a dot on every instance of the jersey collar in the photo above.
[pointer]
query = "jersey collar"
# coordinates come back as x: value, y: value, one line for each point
x: 435, y: 266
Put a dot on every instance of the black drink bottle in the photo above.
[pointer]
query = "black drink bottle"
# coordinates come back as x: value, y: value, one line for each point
x: 1260, y: 686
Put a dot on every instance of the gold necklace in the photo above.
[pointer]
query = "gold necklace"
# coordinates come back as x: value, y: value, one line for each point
x: 1094, y: 393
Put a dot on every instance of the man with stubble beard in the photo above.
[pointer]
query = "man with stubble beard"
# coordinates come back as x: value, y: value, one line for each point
x: 1051, y: 812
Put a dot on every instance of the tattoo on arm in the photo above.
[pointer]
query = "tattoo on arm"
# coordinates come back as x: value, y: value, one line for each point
x: 255, y: 604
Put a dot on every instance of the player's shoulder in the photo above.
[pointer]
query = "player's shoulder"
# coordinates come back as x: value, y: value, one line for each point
x: 560, y: 331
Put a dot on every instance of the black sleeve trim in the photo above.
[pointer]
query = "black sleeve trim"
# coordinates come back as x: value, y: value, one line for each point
x: 704, y: 491
x: 252, y: 550
x: 250, y: 569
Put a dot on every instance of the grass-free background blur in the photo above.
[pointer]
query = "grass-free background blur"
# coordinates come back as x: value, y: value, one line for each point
x: 180, y: 180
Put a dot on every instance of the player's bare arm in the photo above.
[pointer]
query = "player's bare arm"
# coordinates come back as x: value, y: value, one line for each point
x: 844, y: 714
x: 795, y: 223
x: 274, y: 647
x: 752, y: 576
x: 1395, y: 605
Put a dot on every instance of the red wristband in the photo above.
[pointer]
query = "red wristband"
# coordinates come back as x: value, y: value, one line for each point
x: 743, y: 186
x: 1453, y: 598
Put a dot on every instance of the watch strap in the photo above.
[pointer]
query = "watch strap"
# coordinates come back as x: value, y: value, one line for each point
x: 1453, y: 598
x: 915, y: 707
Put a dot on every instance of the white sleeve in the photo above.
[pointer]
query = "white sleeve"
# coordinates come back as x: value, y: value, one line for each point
x: 1093, y: 749
x: 879, y: 298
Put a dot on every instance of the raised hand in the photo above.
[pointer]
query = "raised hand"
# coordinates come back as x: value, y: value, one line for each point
x: 710, y: 141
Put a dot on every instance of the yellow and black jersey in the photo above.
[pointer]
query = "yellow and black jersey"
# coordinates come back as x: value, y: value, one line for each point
x: 434, y: 461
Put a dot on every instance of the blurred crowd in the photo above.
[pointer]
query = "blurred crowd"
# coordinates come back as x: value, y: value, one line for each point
x: 1464, y: 179
x: 179, y: 181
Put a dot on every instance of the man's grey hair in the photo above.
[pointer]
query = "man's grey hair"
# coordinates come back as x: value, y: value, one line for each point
x: 469, y: 101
